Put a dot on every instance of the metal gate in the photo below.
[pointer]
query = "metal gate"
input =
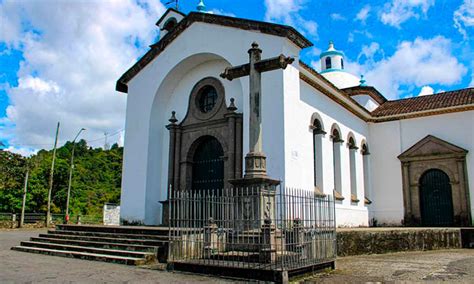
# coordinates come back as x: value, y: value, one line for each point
x: 436, y: 202
x: 208, y: 166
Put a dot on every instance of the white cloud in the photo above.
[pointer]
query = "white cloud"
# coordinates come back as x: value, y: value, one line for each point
x: 464, y: 17
x: 221, y: 12
x: 287, y: 12
x: 369, y: 51
x: 426, y: 90
x: 400, y: 11
x: 363, y: 33
x: 25, y: 152
x: 415, y: 64
x: 337, y: 17
x: 363, y: 14
x: 73, y: 54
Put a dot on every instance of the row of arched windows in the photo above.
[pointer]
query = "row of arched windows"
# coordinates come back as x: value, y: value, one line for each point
x: 337, y: 141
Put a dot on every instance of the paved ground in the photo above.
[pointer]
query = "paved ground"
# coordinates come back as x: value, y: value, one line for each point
x: 21, y: 267
x: 17, y: 267
x: 453, y: 266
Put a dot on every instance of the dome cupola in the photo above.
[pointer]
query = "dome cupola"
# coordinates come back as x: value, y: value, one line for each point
x: 332, y: 68
x: 331, y: 59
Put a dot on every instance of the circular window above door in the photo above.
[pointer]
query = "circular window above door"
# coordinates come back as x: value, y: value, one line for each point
x: 207, y: 99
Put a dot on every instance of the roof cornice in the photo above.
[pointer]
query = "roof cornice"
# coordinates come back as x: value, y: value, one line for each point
x: 366, y: 90
x: 193, y: 17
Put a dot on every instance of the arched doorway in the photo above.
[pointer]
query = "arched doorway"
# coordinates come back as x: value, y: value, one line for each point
x: 436, y: 202
x: 208, y: 165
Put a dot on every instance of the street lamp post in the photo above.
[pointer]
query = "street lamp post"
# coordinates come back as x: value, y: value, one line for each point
x: 70, y: 174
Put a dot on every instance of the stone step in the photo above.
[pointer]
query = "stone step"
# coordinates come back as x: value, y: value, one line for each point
x: 109, y: 235
x: 141, y: 242
x: 147, y: 256
x: 104, y: 245
x: 134, y: 230
x: 83, y: 255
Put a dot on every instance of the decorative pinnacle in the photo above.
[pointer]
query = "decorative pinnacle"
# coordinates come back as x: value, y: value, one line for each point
x: 201, y: 7
x: 232, y: 106
x: 173, y: 119
x: 255, y: 48
x: 362, y: 81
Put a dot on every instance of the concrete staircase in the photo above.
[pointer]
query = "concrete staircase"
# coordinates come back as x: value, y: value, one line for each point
x: 122, y: 245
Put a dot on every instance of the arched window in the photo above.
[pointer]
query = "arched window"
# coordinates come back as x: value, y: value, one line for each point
x: 318, y: 133
x: 342, y: 63
x: 353, y: 169
x: 336, y: 151
x: 170, y: 24
x: 328, y: 63
x: 366, y: 168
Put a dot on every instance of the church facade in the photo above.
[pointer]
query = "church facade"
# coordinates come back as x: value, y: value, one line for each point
x: 402, y: 162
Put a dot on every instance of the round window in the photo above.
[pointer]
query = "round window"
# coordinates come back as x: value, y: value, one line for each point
x: 207, y: 99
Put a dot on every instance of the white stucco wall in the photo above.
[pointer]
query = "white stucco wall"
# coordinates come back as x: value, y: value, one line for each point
x: 165, y: 84
x: 366, y: 101
x: 300, y: 107
x: 390, y: 139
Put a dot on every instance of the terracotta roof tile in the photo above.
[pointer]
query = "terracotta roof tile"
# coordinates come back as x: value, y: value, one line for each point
x: 426, y: 103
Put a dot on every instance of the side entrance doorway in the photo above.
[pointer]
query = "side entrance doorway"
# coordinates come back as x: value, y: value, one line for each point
x: 436, y: 202
x: 435, y: 184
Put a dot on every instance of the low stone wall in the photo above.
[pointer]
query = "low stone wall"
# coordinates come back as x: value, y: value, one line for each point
x: 8, y: 224
x: 385, y: 240
x: 15, y: 225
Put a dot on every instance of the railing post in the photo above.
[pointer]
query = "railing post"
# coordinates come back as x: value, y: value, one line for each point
x: 298, y: 233
x: 210, y: 238
x: 78, y: 220
x: 268, y: 245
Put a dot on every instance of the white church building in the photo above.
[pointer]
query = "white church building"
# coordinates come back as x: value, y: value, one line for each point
x: 401, y: 162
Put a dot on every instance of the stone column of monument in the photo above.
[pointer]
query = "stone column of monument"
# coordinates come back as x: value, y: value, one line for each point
x: 255, y: 176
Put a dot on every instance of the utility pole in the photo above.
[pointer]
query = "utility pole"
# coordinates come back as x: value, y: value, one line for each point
x: 22, y: 219
x: 106, y: 145
x: 48, y: 214
x: 70, y: 174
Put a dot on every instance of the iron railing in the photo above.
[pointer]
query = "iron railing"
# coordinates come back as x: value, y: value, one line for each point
x: 259, y: 228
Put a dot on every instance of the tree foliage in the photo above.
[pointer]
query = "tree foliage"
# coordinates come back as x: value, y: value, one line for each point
x: 96, y: 179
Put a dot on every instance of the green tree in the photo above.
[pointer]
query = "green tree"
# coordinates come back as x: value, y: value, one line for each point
x: 96, y: 179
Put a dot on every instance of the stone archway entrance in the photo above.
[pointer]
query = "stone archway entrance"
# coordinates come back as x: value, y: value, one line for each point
x: 208, y: 165
x: 435, y: 184
x: 210, y: 136
x: 436, y: 202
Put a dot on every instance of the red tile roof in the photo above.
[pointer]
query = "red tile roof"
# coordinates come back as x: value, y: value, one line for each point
x: 456, y: 98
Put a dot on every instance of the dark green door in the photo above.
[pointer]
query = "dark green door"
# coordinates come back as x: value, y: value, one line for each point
x: 436, y: 201
x: 208, y: 165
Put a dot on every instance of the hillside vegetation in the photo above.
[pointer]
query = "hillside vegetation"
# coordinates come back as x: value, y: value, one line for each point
x: 96, y: 179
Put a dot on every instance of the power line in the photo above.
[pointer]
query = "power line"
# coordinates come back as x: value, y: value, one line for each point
x: 64, y: 142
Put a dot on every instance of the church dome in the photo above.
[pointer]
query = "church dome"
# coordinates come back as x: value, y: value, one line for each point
x: 332, y: 68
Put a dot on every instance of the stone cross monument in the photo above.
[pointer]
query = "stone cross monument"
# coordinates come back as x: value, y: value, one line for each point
x: 255, y: 160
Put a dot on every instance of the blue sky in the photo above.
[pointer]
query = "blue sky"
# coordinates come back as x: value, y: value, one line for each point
x: 59, y: 59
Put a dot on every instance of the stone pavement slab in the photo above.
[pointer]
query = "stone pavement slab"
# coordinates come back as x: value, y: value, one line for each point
x: 451, y: 266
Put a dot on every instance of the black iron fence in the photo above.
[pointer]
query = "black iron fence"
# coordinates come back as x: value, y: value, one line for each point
x: 259, y: 228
